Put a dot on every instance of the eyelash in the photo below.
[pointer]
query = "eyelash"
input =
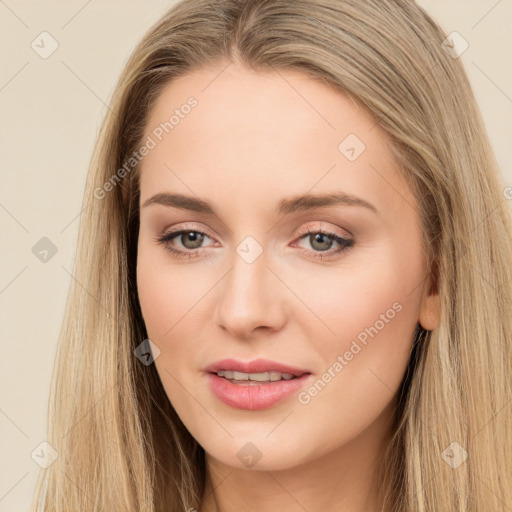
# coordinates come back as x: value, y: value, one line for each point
x: 166, y: 238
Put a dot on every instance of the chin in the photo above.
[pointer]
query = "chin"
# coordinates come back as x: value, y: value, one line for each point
x: 260, y: 453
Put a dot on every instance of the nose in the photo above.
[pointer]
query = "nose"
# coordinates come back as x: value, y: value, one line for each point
x: 250, y: 300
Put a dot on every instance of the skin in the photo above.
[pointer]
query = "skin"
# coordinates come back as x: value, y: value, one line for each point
x: 254, y: 139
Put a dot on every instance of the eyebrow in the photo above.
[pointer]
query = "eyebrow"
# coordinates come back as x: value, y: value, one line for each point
x: 284, y: 207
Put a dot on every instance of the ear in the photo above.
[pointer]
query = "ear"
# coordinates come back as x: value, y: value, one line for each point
x: 430, y: 310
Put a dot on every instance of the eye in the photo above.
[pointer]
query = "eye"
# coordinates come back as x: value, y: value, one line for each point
x: 322, y: 241
x: 190, y: 240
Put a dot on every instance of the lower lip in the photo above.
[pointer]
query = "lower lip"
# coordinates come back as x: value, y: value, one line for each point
x: 254, y: 397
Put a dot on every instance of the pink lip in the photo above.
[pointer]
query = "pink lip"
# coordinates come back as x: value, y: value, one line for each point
x: 258, y: 396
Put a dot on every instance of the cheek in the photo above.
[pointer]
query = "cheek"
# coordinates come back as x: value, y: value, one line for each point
x: 174, y: 304
x: 170, y: 300
x: 363, y: 366
x: 166, y: 294
x: 368, y: 319
x: 164, y: 300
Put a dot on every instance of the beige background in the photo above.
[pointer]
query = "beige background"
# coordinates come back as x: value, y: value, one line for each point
x: 50, y: 115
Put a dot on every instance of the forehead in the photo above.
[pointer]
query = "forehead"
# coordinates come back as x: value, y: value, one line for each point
x: 233, y: 96
x: 254, y: 132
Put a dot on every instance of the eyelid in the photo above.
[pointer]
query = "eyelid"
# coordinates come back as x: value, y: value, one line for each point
x: 314, y: 228
x: 186, y: 227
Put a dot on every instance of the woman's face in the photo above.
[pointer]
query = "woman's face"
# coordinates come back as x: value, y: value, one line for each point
x: 253, y: 168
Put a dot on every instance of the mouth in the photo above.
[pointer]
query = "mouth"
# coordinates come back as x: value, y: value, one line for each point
x: 254, y: 385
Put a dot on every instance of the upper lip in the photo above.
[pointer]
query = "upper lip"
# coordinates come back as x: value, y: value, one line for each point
x: 255, y: 366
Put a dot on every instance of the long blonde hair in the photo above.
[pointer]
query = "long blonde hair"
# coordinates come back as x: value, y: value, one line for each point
x: 121, y: 445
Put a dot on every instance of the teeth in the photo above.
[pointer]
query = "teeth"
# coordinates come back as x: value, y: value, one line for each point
x: 259, y: 377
